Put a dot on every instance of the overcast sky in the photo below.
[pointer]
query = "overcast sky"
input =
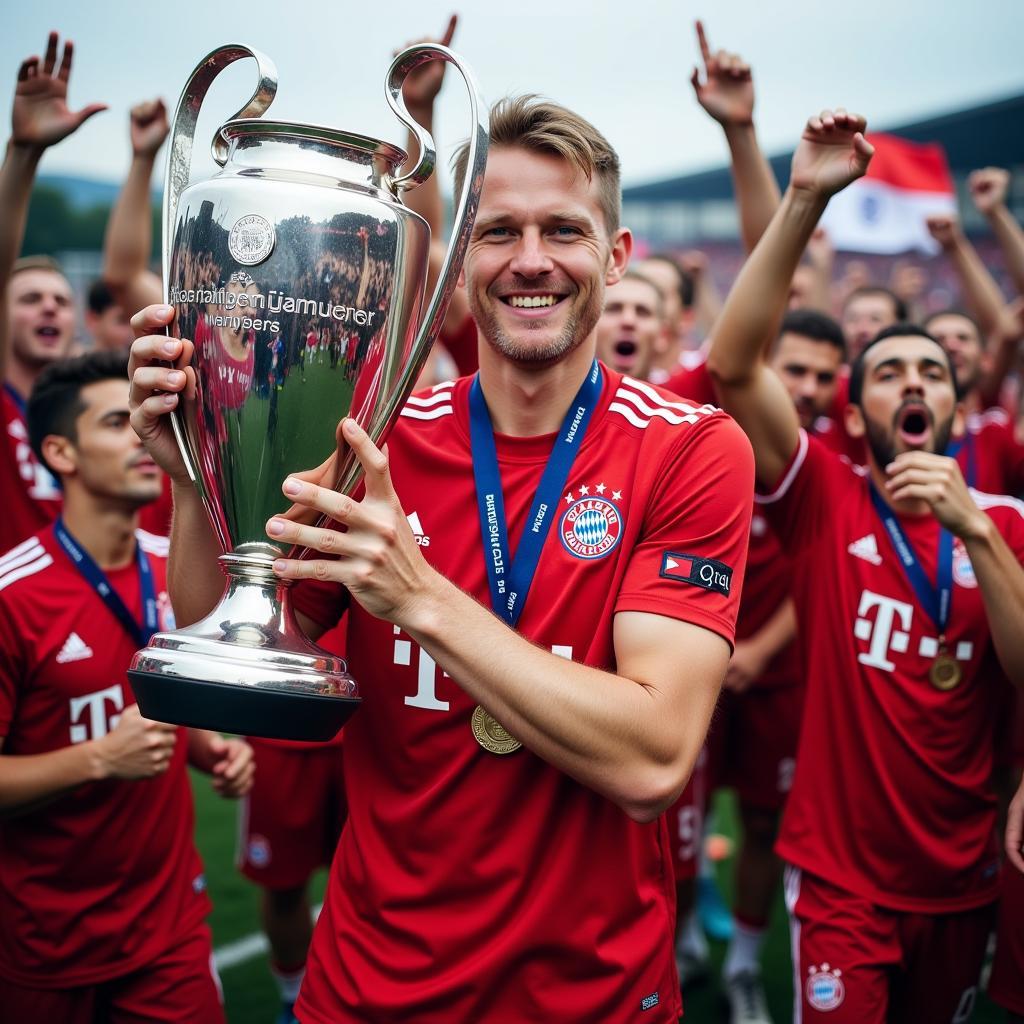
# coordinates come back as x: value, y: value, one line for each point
x: 624, y: 65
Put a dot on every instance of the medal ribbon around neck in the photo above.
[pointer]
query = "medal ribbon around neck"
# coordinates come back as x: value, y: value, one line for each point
x: 935, y: 600
x: 953, y: 450
x: 141, y: 632
x: 510, y: 584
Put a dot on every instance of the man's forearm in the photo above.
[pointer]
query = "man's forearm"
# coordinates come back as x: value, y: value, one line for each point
x: 757, y: 191
x: 619, y: 736
x: 981, y: 293
x: 1001, y: 581
x: 425, y: 199
x: 31, y: 780
x: 194, y: 580
x: 129, y: 237
x: 778, y: 631
x: 1010, y: 236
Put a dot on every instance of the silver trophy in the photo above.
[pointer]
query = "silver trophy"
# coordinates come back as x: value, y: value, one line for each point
x: 299, y: 275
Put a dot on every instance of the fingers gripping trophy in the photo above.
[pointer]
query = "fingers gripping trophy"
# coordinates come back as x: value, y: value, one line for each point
x: 299, y: 276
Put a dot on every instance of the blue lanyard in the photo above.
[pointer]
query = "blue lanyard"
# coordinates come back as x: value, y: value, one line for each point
x: 97, y: 579
x: 953, y: 450
x: 17, y: 399
x: 510, y: 584
x: 934, y: 600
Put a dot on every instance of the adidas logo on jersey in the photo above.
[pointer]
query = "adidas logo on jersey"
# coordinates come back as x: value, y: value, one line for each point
x: 74, y: 649
x: 417, y: 530
x: 866, y: 548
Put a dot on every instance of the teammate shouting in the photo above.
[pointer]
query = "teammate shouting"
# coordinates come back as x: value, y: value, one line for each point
x: 904, y: 583
x: 506, y: 857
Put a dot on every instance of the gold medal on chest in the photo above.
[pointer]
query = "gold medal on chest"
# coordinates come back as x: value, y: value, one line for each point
x: 945, y: 672
x: 491, y: 734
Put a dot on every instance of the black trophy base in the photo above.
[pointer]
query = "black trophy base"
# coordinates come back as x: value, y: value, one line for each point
x: 244, y: 710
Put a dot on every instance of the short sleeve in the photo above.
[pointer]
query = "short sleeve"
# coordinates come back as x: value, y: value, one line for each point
x: 13, y: 667
x: 689, y: 561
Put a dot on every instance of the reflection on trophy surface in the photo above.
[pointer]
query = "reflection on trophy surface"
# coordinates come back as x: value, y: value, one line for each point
x: 299, y: 275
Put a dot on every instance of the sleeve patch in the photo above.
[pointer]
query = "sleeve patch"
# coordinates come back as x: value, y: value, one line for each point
x: 697, y: 571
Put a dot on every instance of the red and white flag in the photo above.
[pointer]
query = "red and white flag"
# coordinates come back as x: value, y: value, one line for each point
x: 885, y: 211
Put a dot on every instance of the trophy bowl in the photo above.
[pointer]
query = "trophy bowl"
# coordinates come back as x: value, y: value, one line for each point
x: 299, y: 275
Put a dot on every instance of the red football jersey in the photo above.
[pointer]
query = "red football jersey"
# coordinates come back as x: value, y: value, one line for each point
x: 472, y: 887
x: 990, y: 457
x: 103, y: 880
x: 32, y: 498
x: 234, y: 376
x: 767, y: 579
x: 893, y: 796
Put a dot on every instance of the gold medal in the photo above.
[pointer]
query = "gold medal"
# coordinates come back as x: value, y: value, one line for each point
x: 945, y: 673
x: 491, y: 734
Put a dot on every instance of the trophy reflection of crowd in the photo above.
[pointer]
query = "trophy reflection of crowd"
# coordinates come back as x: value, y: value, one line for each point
x: 888, y: 918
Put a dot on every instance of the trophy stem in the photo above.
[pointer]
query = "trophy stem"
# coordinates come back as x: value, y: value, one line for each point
x: 246, y: 667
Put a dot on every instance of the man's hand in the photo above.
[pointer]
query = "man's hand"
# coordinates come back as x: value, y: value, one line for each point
x: 40, y: 116
x: 233, y: 767
x: 937, y: 480
x: 136, y: 748
x: 727, y: 92
x: 988, y: 188
x: 945, y: 229
x: 149, y: 127
x: 832, y: 153
x: 420, y: 89
x: 155, y: 386
x: 376, y: 557
x: 746, y: 666
x: 1015, y: 829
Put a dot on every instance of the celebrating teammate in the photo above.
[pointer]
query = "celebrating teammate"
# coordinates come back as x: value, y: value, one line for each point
x: 505, y: 857
x: 101, y: 891
x: 905, y: 584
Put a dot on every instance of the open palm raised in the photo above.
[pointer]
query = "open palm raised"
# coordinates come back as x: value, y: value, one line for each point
x: 832, y: 153
x: 40, y: 114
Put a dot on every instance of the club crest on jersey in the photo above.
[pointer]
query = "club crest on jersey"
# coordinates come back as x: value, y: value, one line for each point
x: 258, y: 851
x: 591, y: 526
x: 825, y: 989
x: 165, y: 613
x: 963, y: 571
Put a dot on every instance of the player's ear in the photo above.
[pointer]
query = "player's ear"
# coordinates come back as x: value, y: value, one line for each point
x: 854, y: 420
x: 59, y: 454
x: 618, y: 256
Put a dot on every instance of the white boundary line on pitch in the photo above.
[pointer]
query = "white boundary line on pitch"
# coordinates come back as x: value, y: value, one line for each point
x: 246, y: 948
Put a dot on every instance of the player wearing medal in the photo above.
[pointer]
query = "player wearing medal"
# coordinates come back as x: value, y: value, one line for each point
x: 904, y: 583
x: 506, y: 856
x: 101, y: 890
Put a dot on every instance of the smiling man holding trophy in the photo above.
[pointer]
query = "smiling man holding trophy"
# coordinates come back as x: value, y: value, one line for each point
x: 526, y: 714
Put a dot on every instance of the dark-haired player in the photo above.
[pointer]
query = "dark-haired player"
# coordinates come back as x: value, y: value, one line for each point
x: 905, y: 583
x: 506, y: 856
x: 105, y: 320
x: 101, y: 891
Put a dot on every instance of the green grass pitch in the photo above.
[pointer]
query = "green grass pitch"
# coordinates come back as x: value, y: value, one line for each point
x: 249, y: 993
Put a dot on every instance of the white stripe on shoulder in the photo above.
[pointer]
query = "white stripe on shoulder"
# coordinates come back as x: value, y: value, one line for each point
x: 657, y: 399
x: 984, y: 500
x: 427, y: 414
x: 444, y: 384
x: 16, y: 553
x: 153, y: 542
x: 425, y: 403
x: 13, y: 575
x: 650, y: 411
x: 787, y: 481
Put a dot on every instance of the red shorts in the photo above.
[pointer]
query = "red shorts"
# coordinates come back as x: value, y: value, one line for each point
x: 686, y: 822
x: 181, y: 985
x: 857, y: 963
x: 290, y: 822
x: 753, y: 741
x: 1006, y: 985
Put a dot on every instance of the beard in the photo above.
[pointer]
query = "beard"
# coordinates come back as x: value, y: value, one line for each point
x: 881, y: 439
x: 579, y: 324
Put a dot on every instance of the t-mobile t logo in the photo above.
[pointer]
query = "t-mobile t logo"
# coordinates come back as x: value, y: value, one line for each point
x: 93, y: 708
x: 887, y: 633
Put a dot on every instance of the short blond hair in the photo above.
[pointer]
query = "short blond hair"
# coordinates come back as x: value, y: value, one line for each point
x: 542, y: 126
x: 24, y: 263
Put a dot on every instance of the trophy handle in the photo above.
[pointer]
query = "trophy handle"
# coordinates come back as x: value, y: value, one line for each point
x: 465, y: 214
x: 179, y: 164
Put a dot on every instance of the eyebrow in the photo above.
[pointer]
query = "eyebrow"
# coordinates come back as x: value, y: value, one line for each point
x: 894, y: 362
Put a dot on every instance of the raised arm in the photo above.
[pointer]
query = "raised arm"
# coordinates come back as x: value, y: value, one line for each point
x: 832, y: 153
x: 727, y: 94
x: 129, y: 239
x: 988, y: 190
x: 39, y: 118
x: 981, y: 293
x: 1002, y: 348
